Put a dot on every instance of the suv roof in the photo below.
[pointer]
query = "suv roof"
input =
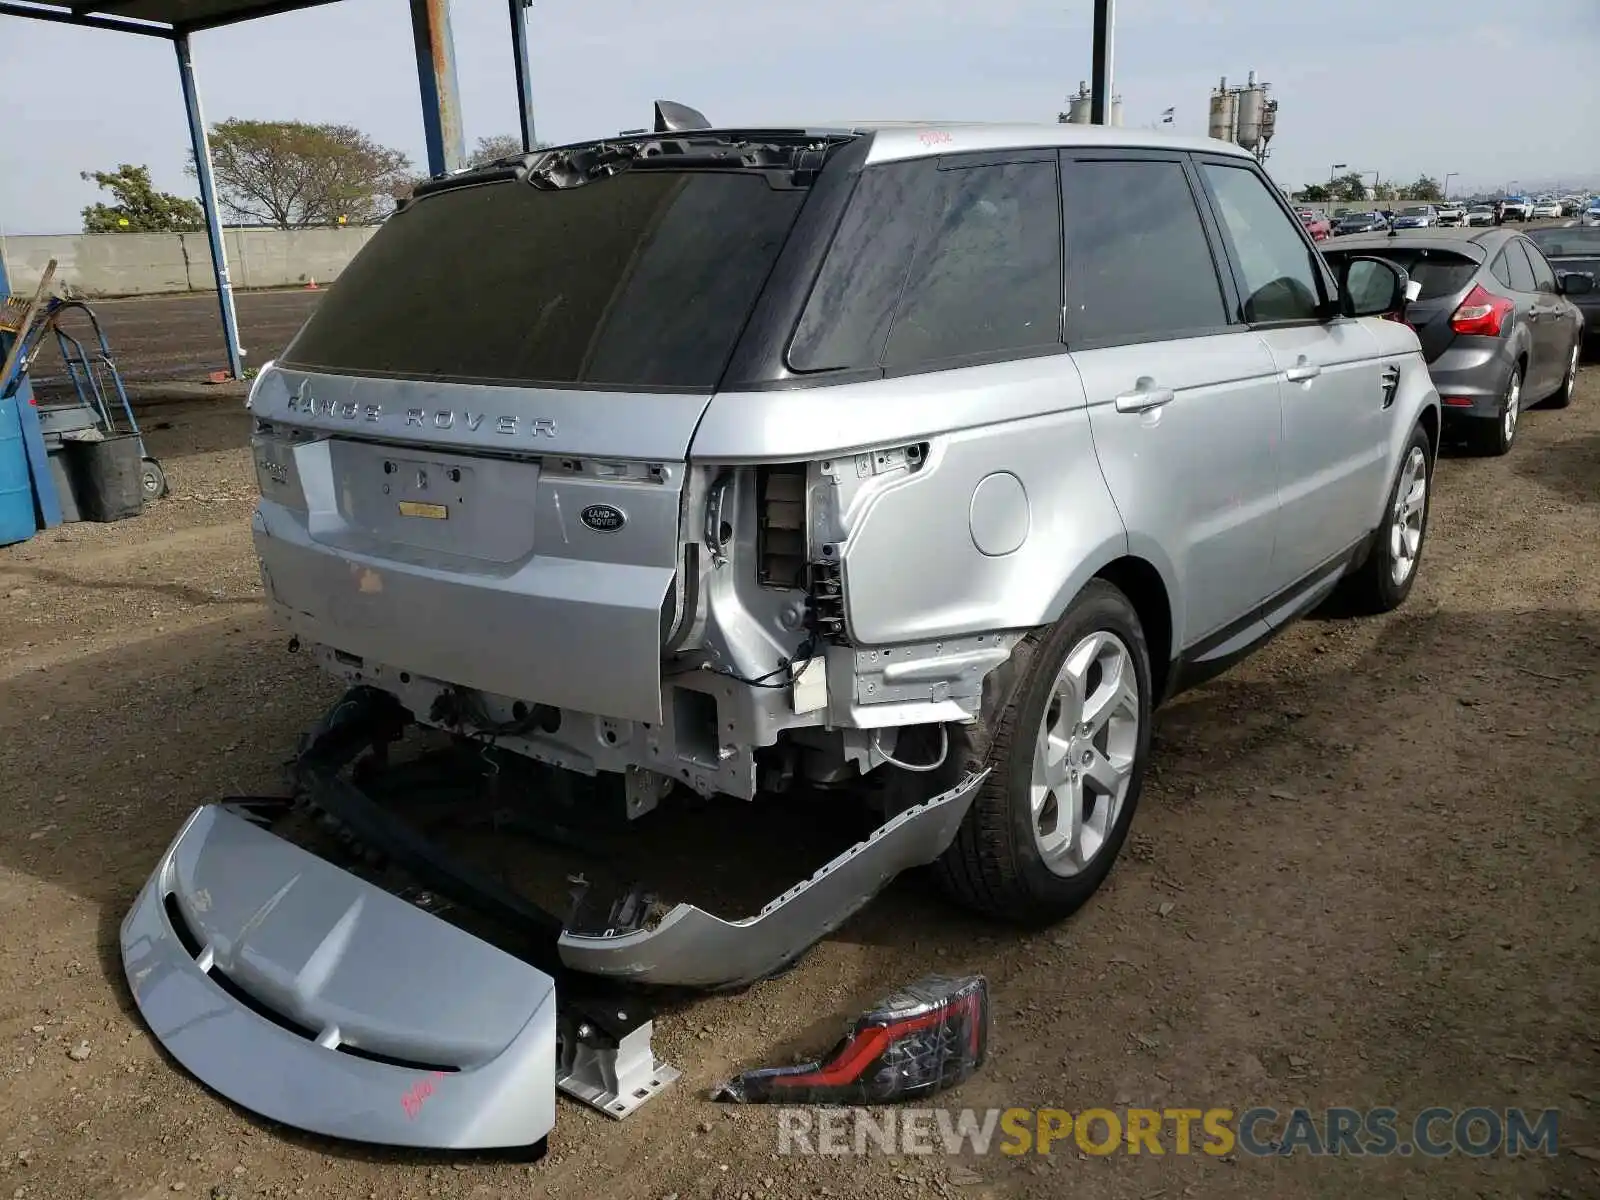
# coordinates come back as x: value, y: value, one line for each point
x: 895, y: 140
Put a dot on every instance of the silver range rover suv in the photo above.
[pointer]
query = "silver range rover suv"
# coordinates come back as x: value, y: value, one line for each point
x: 932, y: 457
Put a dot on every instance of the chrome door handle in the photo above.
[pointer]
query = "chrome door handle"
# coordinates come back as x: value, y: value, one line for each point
x: 1145, y: 396
x: 1302, y: 371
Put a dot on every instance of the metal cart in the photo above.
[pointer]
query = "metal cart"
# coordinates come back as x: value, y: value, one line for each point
x: 93, y: 372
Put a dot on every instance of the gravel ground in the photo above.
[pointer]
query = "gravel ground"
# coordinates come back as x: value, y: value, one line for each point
x: 1364, y: 873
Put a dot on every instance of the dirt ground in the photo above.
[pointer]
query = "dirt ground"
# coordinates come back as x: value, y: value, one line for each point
x: 1364, y: 873
x: 179, y: 337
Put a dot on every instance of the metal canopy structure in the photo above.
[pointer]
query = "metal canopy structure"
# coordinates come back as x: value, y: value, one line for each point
x: 175, y: 20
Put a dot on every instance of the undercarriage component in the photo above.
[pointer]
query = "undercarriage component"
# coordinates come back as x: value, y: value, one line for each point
x: 923, y: 1039
x: 693, y: 948
x: 606, y: 1058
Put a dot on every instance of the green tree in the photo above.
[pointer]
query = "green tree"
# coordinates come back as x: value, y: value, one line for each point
x: 1425, y: 188
x: 291, y: 174
x: 1315, y: 193
x: 139, y: 208
x: 1349, y: 186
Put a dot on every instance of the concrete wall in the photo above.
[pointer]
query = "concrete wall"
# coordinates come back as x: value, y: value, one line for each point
x: 137, y: 264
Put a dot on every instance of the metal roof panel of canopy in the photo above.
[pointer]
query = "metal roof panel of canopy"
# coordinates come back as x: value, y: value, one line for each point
x: 159, y: 18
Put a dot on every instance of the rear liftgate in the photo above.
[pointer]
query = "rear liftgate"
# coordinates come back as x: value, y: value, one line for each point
x: 322, y: 1001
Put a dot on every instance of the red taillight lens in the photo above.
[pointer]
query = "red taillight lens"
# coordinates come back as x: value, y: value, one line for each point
x: 1481, y: 313
x: 929, y: 1037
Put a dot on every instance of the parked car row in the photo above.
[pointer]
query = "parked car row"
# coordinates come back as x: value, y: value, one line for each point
x: 1496, y: 321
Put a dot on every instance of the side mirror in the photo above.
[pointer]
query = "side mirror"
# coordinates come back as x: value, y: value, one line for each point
x: 1374, y: 287
x: 1575, y: 283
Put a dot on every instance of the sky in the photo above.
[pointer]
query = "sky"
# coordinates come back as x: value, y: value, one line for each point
x: 1491, y: 94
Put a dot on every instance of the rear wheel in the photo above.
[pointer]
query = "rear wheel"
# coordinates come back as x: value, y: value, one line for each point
x: 1066, y: 752
x: 1494, y: 438
x: 1563, y: 396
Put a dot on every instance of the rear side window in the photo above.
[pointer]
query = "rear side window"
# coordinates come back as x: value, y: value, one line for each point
x: 986, y: 277
x: 1439, y: 273
x: 1520, y: 270
x: 1138, y: 262
x: 846, y: 320
x: 1281, y: 281
x: 1543, y: 277
x: 643, y: 280
x: 1501, y: 268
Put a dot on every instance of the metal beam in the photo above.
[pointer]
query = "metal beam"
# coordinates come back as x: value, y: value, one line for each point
x: 272, y: 9
x: 436, y: 76
x: 519, y: 58
x: 62, y: 17
x: 208, y: 198
x: 1100, y: 81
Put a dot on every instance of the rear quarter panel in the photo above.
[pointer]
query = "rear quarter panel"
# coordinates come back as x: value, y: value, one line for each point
x: 1010, y: 460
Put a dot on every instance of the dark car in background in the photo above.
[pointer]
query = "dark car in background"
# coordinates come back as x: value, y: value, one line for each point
x: 1361, y: 222
x: 1495, y: 322
x: 1575, y: 250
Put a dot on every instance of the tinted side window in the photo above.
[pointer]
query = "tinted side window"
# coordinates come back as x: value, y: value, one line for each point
x: 987, y: 274
x: 1521, y: 270
x: 846, y: 320
x: 1138, y: 263
x: 1543, y: 277
x: 1501, y: 269
x: 1281, y: 281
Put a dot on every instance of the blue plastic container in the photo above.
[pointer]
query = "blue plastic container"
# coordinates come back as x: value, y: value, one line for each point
x: 16, y: 485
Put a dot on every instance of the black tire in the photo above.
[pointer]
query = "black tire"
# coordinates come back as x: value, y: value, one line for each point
x: 153, y: 480
x: 1371, y: 588
x: 994, y: 866
x: 1569, y: 382
x: 1493, y: 439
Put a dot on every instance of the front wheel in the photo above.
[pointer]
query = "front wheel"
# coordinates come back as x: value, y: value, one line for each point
x: 1067, y: 752
x: 1382, y: 583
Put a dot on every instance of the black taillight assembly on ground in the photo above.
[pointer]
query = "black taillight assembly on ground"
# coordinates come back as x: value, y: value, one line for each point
x: 1482, y: 313
x: 924, y: 1039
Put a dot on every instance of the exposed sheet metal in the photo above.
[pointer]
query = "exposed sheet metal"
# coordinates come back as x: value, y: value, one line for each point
x: 318, y: 1000
x: 693, y: 948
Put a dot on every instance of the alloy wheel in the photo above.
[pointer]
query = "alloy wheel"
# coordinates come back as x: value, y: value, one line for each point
x: 1410, y: 510
x: 1084, y: 753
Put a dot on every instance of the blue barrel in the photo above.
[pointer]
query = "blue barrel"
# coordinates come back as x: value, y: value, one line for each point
x: 16, y: 485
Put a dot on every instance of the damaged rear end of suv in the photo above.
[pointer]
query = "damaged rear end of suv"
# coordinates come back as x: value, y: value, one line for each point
x: 760, y: 464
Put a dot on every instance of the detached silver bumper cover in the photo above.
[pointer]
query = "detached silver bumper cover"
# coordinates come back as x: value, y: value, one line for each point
x: 693, y: 948
x: 314, y: 998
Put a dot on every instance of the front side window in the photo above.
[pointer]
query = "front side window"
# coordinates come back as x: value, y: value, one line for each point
x: 1138, y: 262
x: 986, y: 278
x: 1281, y: 281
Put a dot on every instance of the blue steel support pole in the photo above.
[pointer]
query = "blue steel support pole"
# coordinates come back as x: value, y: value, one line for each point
x: 1100, y: 83
x: 208, y: 199
x: 519, y: 56
x: 436, y: 77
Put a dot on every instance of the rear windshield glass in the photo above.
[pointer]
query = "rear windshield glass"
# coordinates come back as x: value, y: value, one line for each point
x: 641, y: 280
x: 1415, y: 212
x: 1577, y: 242
x: 1440, y: 273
